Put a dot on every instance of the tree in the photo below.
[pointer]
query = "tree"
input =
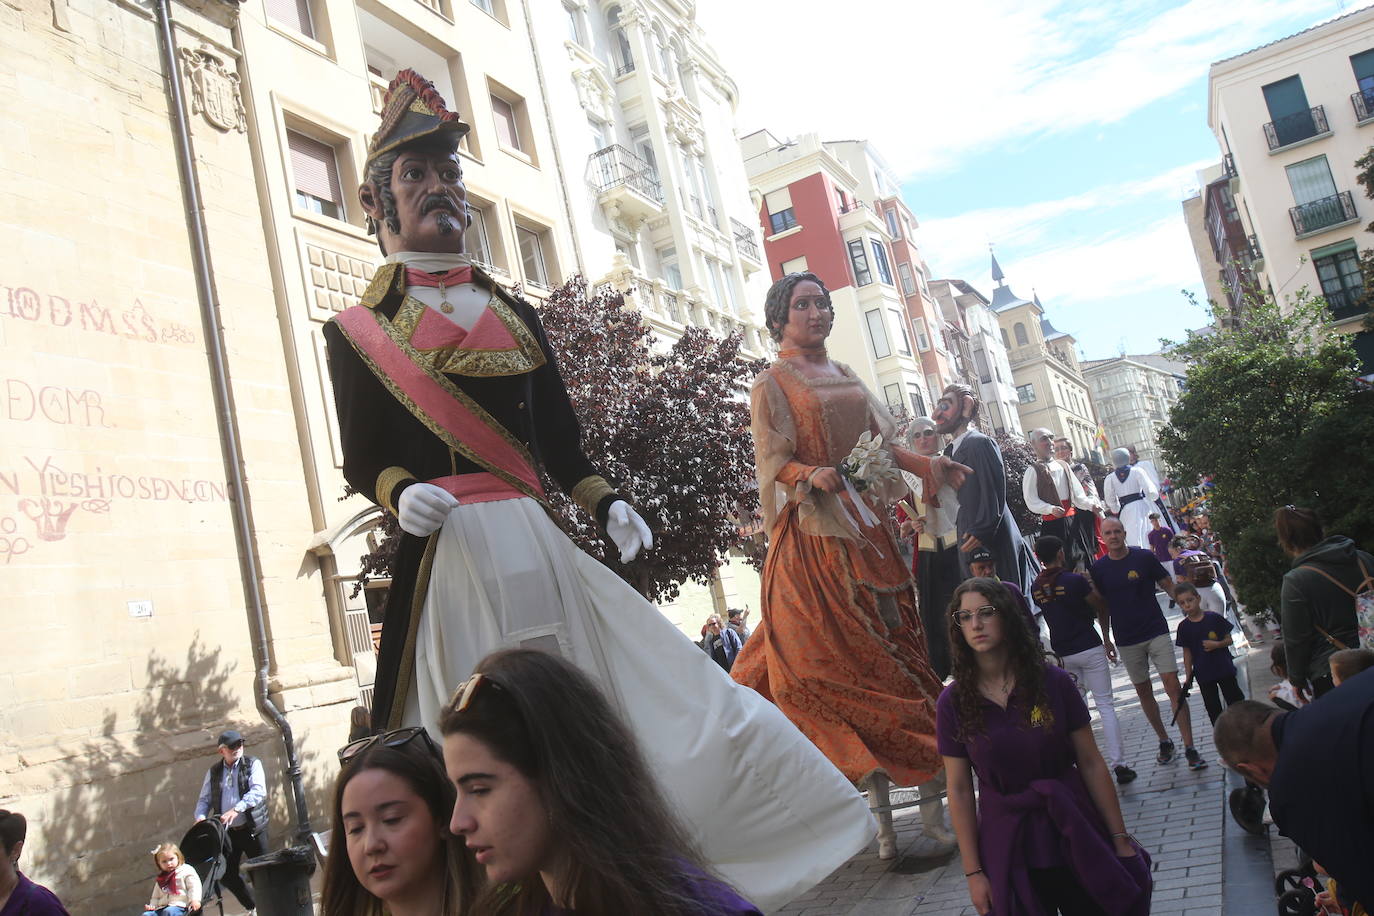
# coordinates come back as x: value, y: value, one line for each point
x: 1272, y: 411
x: 1017, y: 455
x: 669, y: 430
x: 1366, y: 179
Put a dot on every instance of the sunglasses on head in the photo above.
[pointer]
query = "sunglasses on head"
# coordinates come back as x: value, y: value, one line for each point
x: 394, y: 738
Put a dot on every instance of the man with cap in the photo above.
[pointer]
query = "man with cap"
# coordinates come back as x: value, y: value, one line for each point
x: 235, y: 791
x: 983, y: 565
x: 452, y: 414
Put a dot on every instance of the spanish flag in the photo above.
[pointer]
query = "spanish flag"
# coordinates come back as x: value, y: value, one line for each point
x: 1102, y: 439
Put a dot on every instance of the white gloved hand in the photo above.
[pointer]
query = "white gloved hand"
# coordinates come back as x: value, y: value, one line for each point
x: 423, y: 507
x: 627, y: 530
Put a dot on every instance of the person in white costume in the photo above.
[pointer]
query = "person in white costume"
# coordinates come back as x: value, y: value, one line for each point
x: 1130, y: 494
x: 450, y: 403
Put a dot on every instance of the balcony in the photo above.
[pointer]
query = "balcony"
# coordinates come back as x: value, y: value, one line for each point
x: 625, y: 69
x: 1318, y: 215
x: 1346, y: 303
x: 746, y: 243
x: 1228, y: 162
x: 625, y: 183
x: 1295, y: 128
x: 1363, y: 101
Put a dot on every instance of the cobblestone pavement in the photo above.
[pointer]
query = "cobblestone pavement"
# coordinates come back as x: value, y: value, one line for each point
x: 1177, y: 814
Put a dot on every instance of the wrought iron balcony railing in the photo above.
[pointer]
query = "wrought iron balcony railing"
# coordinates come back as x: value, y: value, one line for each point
x: 1296, y: 127
x: 1320, y: 214
x: 616, y: 166
x: 1229, y: 163
x: 628, y: 67
x: 1346, y: 303
x: 1364, y: 104
x: 745, y: 240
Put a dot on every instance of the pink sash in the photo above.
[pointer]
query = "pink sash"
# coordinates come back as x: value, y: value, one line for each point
x: 435, y: 401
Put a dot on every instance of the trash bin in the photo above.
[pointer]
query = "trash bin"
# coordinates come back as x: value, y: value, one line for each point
x: 281, y: 881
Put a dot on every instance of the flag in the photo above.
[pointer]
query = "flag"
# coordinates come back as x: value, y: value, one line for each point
x: 1102, y: 439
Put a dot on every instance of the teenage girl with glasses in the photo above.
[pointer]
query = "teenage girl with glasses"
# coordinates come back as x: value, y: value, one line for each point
x: 1046, y: 835
x: 390, y: 850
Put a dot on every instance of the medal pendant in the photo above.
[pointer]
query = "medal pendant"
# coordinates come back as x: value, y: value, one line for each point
x: 443, y: 305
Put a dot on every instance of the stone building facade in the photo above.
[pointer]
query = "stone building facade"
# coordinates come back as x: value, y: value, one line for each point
x: 1133, y: 396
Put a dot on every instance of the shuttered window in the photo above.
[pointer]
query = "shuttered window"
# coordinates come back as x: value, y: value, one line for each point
x: 294, y: 14
x: 315, y: 175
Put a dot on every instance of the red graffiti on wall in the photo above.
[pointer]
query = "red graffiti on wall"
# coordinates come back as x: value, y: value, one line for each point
x: 135, y: 323
x: 53, y: 403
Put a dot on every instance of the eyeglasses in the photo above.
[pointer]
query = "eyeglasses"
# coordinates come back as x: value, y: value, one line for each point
x: 984, y: 613
x: 395, y: 738
x: 925, y: 433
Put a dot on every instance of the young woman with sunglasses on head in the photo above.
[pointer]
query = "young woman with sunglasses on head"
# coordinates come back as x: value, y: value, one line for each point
x: 390, y: 850
x: 557, y: 803
x: 1046, y: 835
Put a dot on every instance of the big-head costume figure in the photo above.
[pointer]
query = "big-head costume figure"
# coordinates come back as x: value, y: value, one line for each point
x: 983, y: 518
x: 449, y: 401
x: 1131, y: 494
x: 1052, y: 491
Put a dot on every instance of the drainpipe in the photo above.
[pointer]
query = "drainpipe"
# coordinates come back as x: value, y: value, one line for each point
x: 228, y: 429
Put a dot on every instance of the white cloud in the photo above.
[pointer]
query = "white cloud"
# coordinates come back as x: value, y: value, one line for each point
x: 929, y: 82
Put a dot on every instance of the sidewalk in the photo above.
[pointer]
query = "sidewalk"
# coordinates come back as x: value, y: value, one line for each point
x: 1178, y: 815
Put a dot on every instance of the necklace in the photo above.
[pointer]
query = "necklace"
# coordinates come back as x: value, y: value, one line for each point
x: 443, y: 300
x: 790, y: 352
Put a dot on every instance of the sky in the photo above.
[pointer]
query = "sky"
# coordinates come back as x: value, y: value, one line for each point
x: 1066, y: 134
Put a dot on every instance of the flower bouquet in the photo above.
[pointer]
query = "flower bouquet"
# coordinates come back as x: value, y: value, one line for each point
x: 867, y: 466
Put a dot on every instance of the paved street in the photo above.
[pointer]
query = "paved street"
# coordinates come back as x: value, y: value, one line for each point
x: 1178, y: 815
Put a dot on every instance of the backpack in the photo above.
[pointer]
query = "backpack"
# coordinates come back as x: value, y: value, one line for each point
x: 1199, y: 568
x: 1364, y: 605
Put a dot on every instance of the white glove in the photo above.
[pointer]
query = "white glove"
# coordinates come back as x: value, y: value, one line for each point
x: 423, y: 508
x: 627, y: 529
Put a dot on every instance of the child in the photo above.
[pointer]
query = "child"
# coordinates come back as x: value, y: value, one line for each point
x: 1283, y: 695
x: 1347, y: 663
x: 1205, y: 636
x: 177, y: 888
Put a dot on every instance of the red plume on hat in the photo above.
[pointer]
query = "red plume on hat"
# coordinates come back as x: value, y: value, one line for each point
x: 412, y: 109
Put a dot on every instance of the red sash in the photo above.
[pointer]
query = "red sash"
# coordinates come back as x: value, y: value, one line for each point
x: 436, y: 402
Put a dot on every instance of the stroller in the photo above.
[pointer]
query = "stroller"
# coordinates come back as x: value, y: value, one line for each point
x: 206, y: 848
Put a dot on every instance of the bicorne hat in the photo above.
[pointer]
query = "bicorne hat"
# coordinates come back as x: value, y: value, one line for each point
x: 412, y: 109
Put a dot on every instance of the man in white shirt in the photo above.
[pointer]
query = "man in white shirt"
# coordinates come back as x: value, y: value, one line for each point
x: 1053, y: 492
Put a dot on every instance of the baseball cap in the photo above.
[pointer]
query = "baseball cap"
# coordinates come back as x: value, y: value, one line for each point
x: 981, y: 555
x: 230, y: 739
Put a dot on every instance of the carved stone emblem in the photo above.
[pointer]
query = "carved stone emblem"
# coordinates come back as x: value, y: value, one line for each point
x: 214, y: 90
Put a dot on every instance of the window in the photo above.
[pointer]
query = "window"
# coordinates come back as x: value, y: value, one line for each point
x: 668, y: 269
x: 475, y: 239
x: 624, y: 57
x: 877, y: 333
x: 507, y: 125
x: 1025, y: 393
x: 905, y: 348
x: 1020, y: 331
x: 794, y: 266
x: 842, y: 200
x: 918, y: 403
x: 859, y: 260
x: 1005, y: 342
x: 922, y: 341
x: 980, y: 361
x: 532, y: 254
x: 781, y: 215
x: 576, y: 30
x: 1342, y: 285
x: 315, y: 174
x: 484, y: 6
x: 904, y: 274
x: 893, y: 395
x: 717, y: 285
x: 728, y: 275
x: 1292, y: 118
x: 1363, y: 65
x: 294, y: 14
x: 892, y: 228
x: 880, y: 259
x: 1310, y: 180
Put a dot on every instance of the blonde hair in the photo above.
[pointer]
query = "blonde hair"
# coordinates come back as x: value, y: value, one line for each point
x: 168, y: 847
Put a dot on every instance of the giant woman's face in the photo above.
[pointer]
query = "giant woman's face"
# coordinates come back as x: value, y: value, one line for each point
x: 809, y: 317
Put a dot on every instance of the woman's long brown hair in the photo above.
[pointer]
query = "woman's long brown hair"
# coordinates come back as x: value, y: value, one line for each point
x: 1024, y: 653
x: 421, y: 768
x: 622, y: 849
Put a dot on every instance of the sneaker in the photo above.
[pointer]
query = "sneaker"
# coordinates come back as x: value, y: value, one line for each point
x: 1166, y: 752
x: 1124, y: 774
x: 1195, y: 761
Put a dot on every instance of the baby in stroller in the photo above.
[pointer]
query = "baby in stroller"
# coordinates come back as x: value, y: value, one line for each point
x: 177, y: 887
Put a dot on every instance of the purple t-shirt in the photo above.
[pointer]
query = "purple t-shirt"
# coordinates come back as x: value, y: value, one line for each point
x: 1020, y: 601
x: 1128, y: 585
x: 1062, y: 597
x: 29, y: 899
x: 1009, y: 753
x: 719, y: 899
x: 1209, y: 665
x: 1159, y: 542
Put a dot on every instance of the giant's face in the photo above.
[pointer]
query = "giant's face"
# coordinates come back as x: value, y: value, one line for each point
x: 809, y: 316
x: 431, y: 202
x: 1043, y: 443
x: 950, y: 411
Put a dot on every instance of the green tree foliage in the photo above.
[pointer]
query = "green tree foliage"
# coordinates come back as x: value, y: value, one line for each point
x: 1271, y: 409
x: 1366, y: 179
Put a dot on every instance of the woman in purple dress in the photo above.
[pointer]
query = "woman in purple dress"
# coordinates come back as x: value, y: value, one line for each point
x: 1046, y: 835
x: 556, y: 801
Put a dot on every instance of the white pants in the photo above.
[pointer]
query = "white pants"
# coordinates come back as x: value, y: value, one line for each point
x: 1090, y: 671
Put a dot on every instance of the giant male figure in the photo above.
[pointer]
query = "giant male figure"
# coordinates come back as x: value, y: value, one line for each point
x: 450, y: 401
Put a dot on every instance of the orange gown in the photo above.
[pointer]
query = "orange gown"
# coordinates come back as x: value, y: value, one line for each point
x: 861, y: 689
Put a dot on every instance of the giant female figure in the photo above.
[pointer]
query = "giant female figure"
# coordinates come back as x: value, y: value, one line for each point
x: 840, y: 647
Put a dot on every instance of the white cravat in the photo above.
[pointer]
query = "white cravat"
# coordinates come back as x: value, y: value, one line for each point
x: 467, y: 299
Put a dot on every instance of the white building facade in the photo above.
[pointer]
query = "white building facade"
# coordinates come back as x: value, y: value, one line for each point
x: 1133, y: 396
x: 984, y: 365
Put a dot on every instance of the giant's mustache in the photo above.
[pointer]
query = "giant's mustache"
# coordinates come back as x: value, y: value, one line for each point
x: 440, y: 202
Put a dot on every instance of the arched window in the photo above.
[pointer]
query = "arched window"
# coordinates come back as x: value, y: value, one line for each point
x: 1005, y: 342
x: 624, y: 57
x: 1021, y: 339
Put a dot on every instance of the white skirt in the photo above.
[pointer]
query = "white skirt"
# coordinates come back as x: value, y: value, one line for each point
x: 771, y: 813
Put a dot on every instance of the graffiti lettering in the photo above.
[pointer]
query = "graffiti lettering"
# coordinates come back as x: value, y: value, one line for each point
x: 135, y: 323
x: 53, y: 403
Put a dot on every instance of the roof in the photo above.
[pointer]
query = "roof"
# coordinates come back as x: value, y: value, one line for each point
x: 1311, y: 28
x: 1002, y: 296
x: 1047, y: 329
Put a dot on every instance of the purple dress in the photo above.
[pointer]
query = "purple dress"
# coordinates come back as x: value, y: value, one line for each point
x: 1034, y: 810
